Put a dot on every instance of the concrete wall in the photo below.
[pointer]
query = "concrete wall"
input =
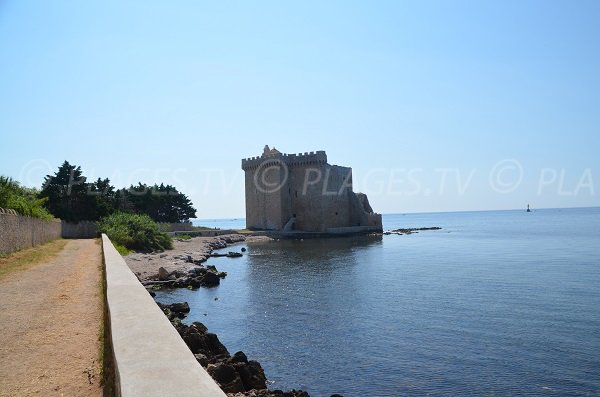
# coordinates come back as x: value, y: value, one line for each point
x: 150, y: 358
x: 83, y: 229
x: 18, y: 231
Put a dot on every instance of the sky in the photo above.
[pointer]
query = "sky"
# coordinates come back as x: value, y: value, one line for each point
x: 436, y: 105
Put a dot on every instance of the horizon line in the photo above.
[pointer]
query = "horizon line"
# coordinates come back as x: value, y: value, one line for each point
x: 433, y: 212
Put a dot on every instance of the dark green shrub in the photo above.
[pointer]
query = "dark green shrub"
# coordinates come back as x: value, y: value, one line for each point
x: 135, y: 232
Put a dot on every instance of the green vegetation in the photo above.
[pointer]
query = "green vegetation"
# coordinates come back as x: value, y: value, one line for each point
x: 182, y: 237
x: 69, y: 196
x: 134, y: 232
x: 202, y: 228
x: 27, y: 257
x: 163, y: 203
x: 21, y: 199
x: 121, y: 249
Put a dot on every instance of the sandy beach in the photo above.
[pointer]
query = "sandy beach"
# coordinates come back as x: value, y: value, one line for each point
x: 146, y: 265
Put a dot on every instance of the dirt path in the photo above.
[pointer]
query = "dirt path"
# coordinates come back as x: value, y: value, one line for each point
x: 50, y: 321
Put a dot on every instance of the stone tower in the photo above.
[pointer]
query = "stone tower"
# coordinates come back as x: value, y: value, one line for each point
x: 303, y: 193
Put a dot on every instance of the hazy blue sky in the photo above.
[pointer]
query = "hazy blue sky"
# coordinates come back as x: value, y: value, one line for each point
x: 437, y: 105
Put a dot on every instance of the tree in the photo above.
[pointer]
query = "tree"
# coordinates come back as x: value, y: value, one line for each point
x: 66, y: 193
x: 102, y: 199
x: 163, y: 203
x: 71, y: 198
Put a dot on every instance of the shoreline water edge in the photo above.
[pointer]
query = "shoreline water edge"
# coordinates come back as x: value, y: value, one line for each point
x: 183, y: 267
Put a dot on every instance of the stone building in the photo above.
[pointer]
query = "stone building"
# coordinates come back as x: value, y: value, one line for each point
x: 303, y: 193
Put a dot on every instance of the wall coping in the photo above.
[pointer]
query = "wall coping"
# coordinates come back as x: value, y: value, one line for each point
x: 150, y: 358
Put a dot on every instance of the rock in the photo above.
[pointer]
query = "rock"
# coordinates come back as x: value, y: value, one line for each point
x: 163, y: 274
x: 210, y: 280
x: 232, y: 254
x: 195, y: 282
x: 243, y: 250
x: 202, y: 359
x: 238, y: 357
x: 252, y: 375
x: 200, y: 341
x: 198, y: 271
x: 411, y: 230
x: 227, y: 377
x: 181, y: 307
x: 175, y: 311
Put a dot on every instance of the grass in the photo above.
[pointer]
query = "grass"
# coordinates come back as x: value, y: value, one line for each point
x: 121, y: 249
x: 244, y: 231
x: 28, y: 257
x: 202, y: 228
x: 182, y: 237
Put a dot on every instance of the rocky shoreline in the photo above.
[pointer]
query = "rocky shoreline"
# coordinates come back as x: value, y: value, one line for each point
x: 235, y: 374
x: 185, y: 259
x: 412, y: 230
x: 183, y: 267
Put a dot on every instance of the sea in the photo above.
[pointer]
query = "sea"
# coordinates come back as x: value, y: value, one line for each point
x: 496, y: 303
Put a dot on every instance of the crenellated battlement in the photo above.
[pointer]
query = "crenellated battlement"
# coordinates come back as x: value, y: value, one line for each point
x: 307, y: 158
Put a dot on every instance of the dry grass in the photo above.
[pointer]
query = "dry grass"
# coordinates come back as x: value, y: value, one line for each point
x: 23, y: 259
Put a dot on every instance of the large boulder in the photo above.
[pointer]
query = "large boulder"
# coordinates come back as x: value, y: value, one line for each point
x: 202, y: 342
x: 175, y: 310
x: 252, y: 375
x: 210, y: 279
x: 163, y: 274
x: 227, y: 377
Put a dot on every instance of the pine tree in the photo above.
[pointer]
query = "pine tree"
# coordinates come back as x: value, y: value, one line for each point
x: 66, y: 193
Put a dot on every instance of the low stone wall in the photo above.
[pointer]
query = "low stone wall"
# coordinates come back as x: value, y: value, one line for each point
x: 150, y: 358
x: 83, y: 229
x: 18, y: 231
x: 175, y: 227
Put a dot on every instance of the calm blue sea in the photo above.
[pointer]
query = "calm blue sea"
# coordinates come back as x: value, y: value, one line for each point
x: 226, y: 224
x: 498, y: 303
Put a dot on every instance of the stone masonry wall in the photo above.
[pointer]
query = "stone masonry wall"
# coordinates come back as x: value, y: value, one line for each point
x: 263, y: 197
x: 82, y: 229
x: 320, y: 197
x: 18, y: 231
